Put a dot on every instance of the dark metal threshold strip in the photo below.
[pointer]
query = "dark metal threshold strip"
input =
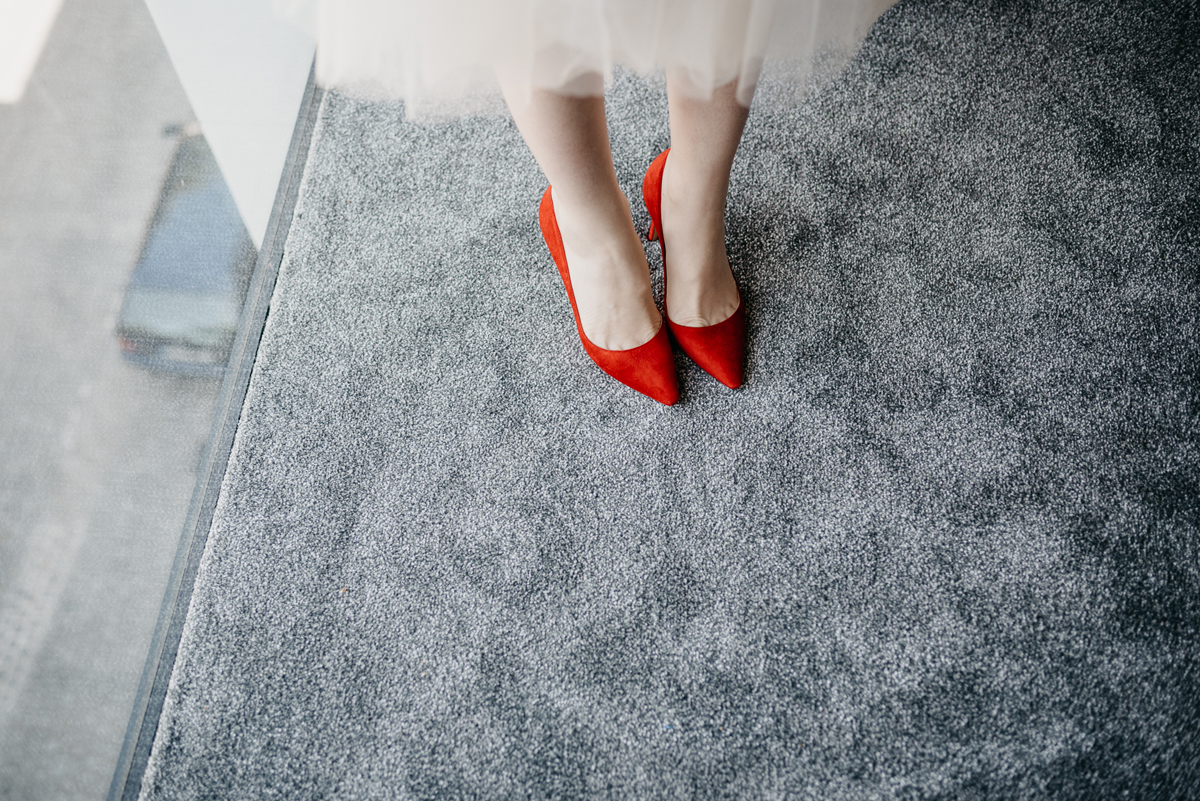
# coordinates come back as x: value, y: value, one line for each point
x: 160, y: 662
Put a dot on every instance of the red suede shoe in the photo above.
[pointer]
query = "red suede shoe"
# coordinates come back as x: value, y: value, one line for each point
x: 649, y: 368
x: 719, y: 349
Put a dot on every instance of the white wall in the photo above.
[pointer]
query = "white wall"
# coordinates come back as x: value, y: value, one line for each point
x: 24, y: 26
x: 244, y: 72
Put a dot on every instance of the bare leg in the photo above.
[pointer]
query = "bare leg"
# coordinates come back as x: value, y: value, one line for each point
x: 704, y: 137
x: 569, y: 138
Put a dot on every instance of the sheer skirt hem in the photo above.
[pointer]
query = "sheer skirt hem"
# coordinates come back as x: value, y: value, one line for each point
x: 446, y: 58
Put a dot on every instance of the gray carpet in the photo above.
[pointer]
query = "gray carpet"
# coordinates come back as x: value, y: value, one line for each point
x: 942, y: 544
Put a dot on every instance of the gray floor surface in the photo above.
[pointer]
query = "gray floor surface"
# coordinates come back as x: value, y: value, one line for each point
x: 942, y: 544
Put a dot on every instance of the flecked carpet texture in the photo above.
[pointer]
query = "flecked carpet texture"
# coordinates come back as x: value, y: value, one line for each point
x: 942, y: 544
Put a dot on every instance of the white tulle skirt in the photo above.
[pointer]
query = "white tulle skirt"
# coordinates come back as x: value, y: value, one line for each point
x: 448, y: 56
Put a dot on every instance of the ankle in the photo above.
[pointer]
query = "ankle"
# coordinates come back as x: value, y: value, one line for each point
x: 694, y: 224
x: 697, y: 188
x: 594, y: 223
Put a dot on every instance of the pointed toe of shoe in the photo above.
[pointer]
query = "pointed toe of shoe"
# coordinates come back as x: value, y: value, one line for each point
x: 648, y: 368
x: 665, y: 389
x: 667, y: 395
x: 731, y: 375
x: 719, y: 350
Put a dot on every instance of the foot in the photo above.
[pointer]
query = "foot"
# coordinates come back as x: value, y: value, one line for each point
x: 609, y: 276
x: 701, y: 290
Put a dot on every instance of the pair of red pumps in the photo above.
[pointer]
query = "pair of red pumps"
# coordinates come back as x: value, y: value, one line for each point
x: 720, y: 350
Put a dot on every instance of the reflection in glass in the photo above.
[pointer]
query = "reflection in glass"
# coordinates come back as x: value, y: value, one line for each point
x: 181, y: 309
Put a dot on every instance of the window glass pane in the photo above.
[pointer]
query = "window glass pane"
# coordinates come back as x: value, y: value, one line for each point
x: 123, y: 263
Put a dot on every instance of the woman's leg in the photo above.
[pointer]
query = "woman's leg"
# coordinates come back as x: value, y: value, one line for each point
x: 704, y: 137
x: 569, y: 138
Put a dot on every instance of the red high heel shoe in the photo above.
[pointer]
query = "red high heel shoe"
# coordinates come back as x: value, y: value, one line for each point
x: 650, y: 367
x: 719, y: 349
